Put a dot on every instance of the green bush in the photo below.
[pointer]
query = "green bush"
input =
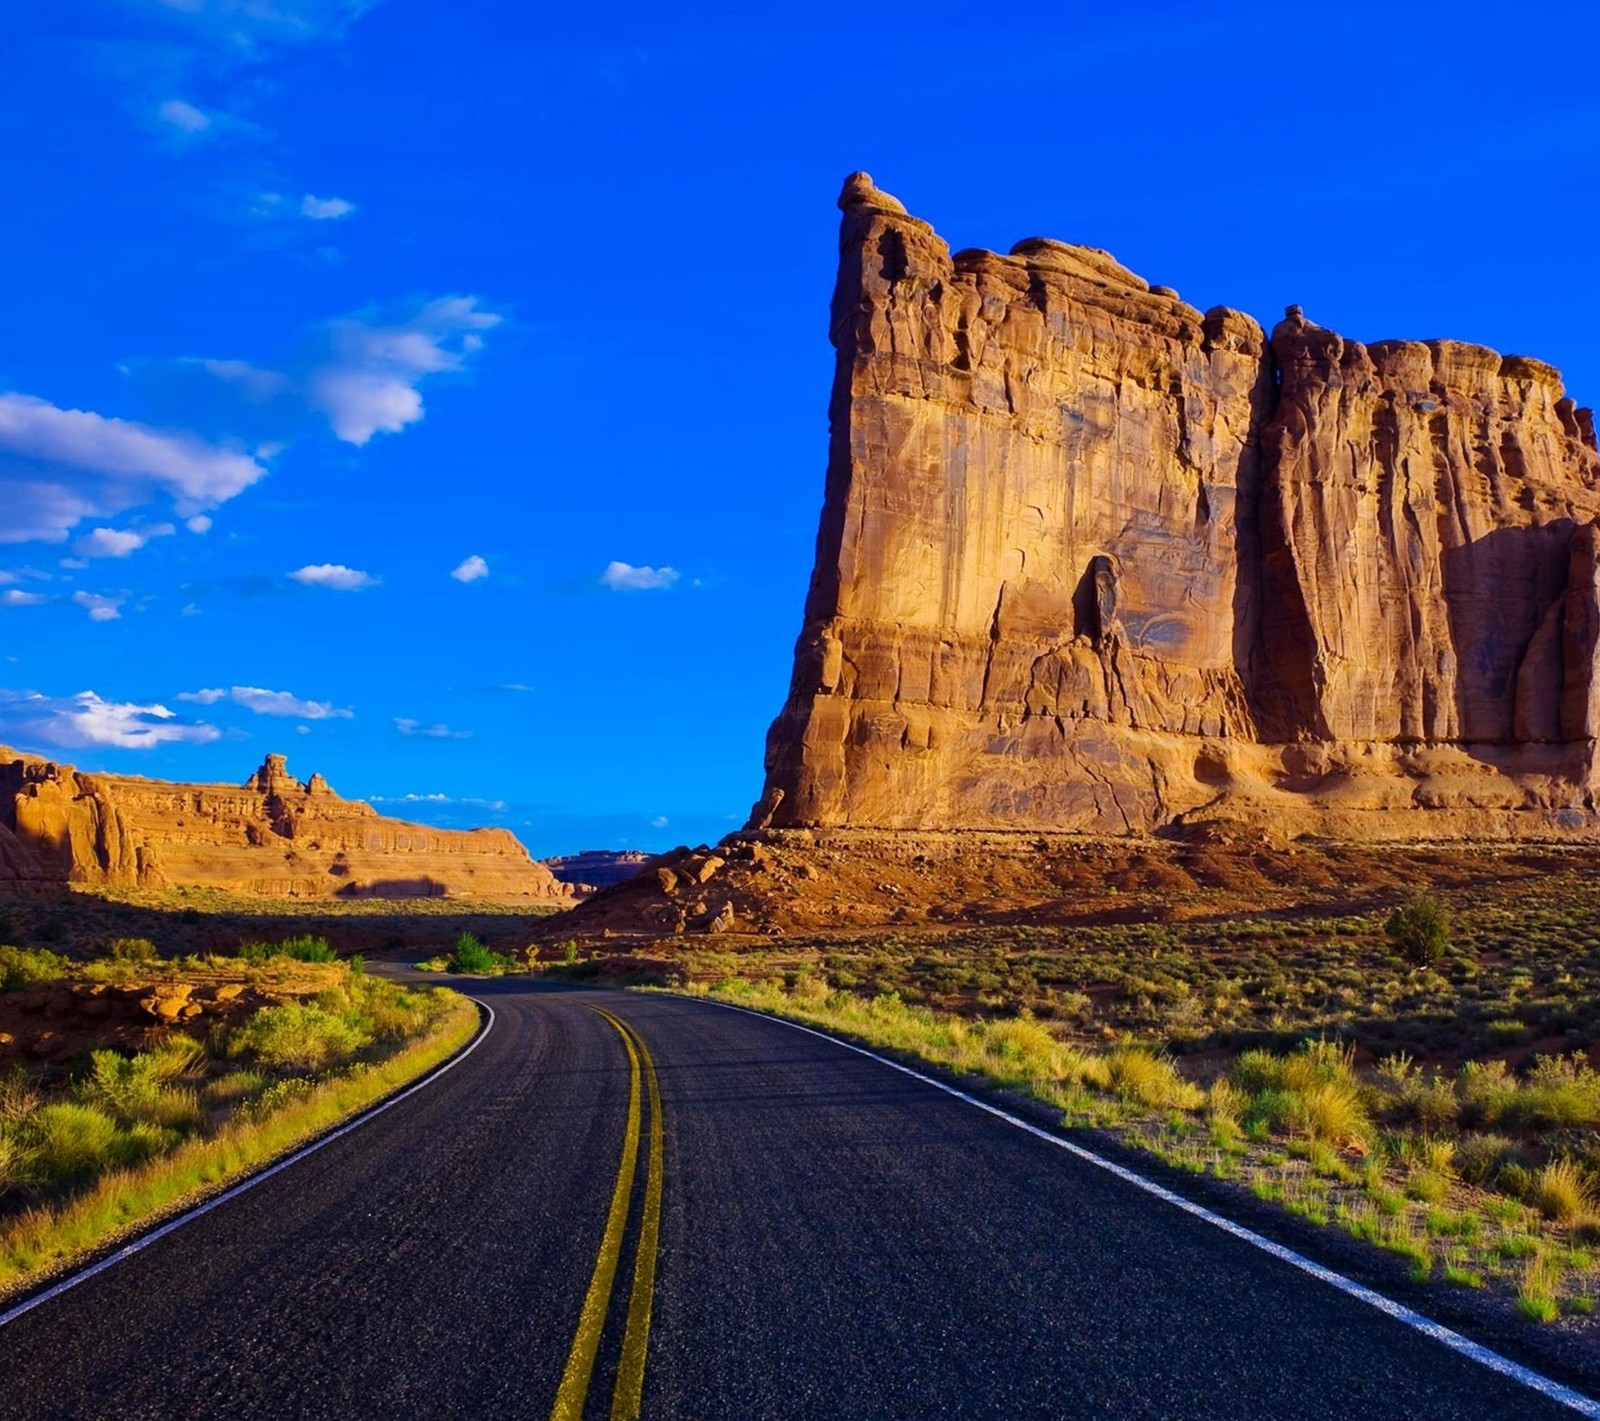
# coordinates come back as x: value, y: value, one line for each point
x: 70, y: 1140
x: 297, y: 1037
x: 28, y: 966
x: 472, y: 955
x: 132, y: 949
x: 297, y: 949
x: 1420, y: 930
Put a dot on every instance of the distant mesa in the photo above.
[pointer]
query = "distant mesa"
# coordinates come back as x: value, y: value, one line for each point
x: 272, y: 837
x: 597, y: 868
x: 1094, y: 560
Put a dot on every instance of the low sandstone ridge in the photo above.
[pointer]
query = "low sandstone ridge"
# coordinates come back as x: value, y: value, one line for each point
x: 1093, y: 560
x: 272, y: 837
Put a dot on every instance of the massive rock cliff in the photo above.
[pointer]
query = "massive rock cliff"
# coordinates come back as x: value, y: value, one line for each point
x: 271, y: 837
x: 1093, y: 559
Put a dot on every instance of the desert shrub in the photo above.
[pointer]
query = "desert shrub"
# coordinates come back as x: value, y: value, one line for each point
x: 1144, y: 1078
x: 1020, y: 1041
x: 297, y: 949
x: 131, y: 949
x: 1420, y: 930
x: 297, y: 1037
x: 1515, y: 1179
x: 28, y: 966
x: 70, y: 1140
x: 133, y: 1089
x: 1479, y: 1157
x: 19, y: 1097
x: 234, y: 1087
x: 1329, y: 1110
x: 1559, y: 1092
x: 1484, y: 1088
x: 473, y: 955
x: 1561, y: 1191
x: 386, y: 1009
x: 1427, y: 1099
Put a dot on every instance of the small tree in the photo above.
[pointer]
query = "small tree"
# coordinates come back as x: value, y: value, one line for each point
x: 1420, y: 929
x: 471, y: 955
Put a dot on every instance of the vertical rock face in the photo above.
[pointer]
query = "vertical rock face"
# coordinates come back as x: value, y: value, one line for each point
x: 272, y: 836
x: 1093, y: 559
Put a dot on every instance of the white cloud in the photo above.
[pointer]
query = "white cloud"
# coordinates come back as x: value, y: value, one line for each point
x: 183, y: 116
x: 660, y: 822
x: 85, y: 720
x: 325, y: 209
x: 471, y: 569
x: 407, y: 726
x: 496, y: 804
x: 198, y: 524
x: 15, y: 597
x: 119, y: 542
x: 369, y: 383
x: 75, y: 464
x: 256, y: 384
x: 99, y: 607
x: 334, y: 575
x: 265, y: 702
x: 624, y: 577
x: 240, y: 29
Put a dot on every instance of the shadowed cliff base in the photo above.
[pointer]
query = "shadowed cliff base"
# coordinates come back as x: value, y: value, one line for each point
x: 1091, y: 559
x: 755, y: 889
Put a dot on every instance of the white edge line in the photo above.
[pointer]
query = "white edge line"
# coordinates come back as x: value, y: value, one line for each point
x: 234, y: 1191
x: 1477, y: 1352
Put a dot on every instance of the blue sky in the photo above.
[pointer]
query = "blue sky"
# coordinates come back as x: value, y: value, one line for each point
x: 437, y: 393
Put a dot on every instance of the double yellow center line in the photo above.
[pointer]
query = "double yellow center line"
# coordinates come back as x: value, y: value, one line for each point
x: 626, y: 1397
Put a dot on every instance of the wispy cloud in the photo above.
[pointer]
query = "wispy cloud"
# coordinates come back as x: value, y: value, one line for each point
x: 362, y: 373
x: 72, y: 464
x: 265, y: 702
x: 87, y: 720
x: 325, y: 209
x: 625, y: 577
x: 333, y: 575
x: 471, y: 569
x: 16, y: 597
x: 101, y: 607
x: 239, y: 30
x: 437, y: 731
x: 183, y: 116
x: 119, y: 542
x: 368, y: 384
x: 495, y: 804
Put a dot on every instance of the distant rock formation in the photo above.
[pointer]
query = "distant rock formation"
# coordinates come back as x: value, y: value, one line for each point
x: 273, y: 837
x: 1093, y: 559
x: 597, y: 868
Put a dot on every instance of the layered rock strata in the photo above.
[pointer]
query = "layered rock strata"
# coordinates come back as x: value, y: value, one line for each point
x: 1093, y: 559
x: 271, y: 837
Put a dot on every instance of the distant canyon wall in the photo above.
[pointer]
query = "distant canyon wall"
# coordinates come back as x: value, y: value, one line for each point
x: 273, y: 836
x: 1092, y: 559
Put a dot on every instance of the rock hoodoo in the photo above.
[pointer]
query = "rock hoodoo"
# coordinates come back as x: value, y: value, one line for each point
x: 1093, y: 559
x: 271, y: 837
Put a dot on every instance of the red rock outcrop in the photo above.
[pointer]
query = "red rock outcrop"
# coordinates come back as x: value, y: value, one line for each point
x: 271, y: 837
x: 1092, y: 559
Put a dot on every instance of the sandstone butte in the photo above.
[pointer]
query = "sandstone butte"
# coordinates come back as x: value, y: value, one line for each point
x: 271, y: 837
x: 1094, y: 560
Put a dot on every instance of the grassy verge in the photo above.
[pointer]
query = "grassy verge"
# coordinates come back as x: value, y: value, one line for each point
x: 310, y: 1065
x: 1477, y: 1178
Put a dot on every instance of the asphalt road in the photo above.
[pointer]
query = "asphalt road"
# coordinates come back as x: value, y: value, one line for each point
x: 836, y: 1240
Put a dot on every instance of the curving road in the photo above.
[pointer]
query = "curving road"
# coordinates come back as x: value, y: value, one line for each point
x: 836, y: 1239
